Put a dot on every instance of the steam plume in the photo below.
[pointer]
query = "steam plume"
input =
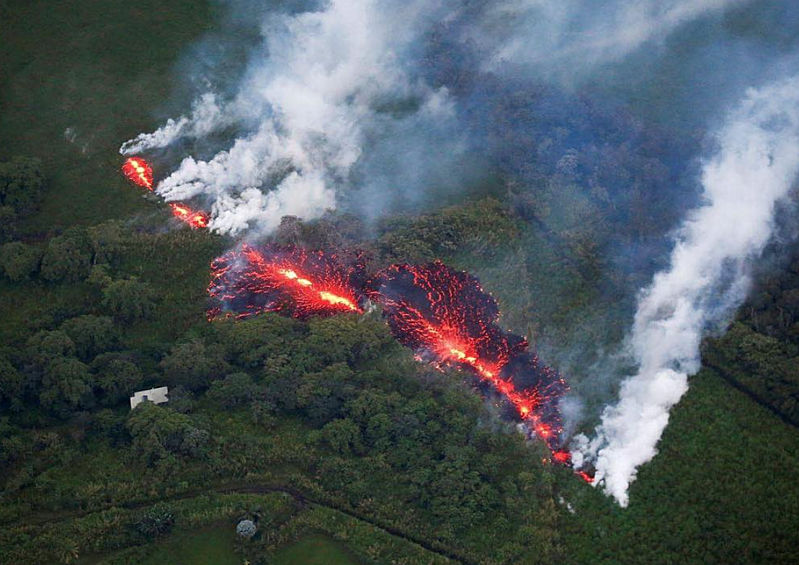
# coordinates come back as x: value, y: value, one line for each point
x: 342, y: 87
x: 755, y: 166
x: 310, y: 103
x: 205, y: 117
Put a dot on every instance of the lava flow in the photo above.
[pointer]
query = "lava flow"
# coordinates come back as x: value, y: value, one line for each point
x: 286, y: 280
x: 443, y: 315
x: 447, y: 319
x: 189, y: 216
x: 138, y: 171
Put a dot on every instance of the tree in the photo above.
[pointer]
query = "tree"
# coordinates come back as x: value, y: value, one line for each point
x: 343, y: 436
x: 91, y: 334
x: 158, y: 432
x: 129, y: 300
x: 107, y: 241
x: 322, y: 395
x: 65, y: 386
x: 12, y: 444
x: 234, y: 390
x: 68, y: 256
x: 8, y: 223
x: 194, y: 365
x: 110, y: 424
x: 18, y: 260
x: 21, y: 183
x: 47, y: 346
x: 349, y: 339
x: 250, y: 343
x: 10, y: 382
x: 115, y: 377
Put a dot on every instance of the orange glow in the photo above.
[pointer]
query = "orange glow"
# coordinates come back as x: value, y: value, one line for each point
x: 189, y: 216
x: 138, y: 171
x: 325, y: 295
x: 288, y: 280
x: 333, y: 299
x: 448, y: 319
x: 443, y: 315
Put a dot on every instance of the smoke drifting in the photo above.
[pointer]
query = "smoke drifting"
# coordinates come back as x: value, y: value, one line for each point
x: 755, y: 166
x: 205, y: 117
x: 319, y: 87
x: 336, y: 100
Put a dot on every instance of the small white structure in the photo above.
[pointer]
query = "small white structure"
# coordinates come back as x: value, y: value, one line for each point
x: 155, y: 395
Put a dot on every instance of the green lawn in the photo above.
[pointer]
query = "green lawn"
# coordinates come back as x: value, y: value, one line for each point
x: 315, y: 549
x: 211, y: 546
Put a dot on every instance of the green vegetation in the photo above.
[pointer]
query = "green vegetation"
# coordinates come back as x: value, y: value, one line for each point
x: 209, y: 547
x: 314, y: 550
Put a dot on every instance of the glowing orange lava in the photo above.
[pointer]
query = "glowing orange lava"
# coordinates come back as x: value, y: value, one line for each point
x: 329, y: 297
x: 288, y: 280
x: 443, y: 315
x: 138, y: 171
x: 447, y: 318
x: 189, y: 216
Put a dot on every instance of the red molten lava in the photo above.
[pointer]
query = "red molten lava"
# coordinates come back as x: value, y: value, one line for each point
x: 443, y: 315
x: 287, y: 280
x: 447, y: 318
x: 189, y: 216
x: 138, y: 171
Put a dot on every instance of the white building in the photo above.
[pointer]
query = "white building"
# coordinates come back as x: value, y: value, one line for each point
x: 154, y: 395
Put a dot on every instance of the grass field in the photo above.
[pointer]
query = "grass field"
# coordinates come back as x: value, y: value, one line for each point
x: 79, y: 78
x: 315, y: 549
x: 214, y: 546
x: 210, y: 546
x: 722, y: 486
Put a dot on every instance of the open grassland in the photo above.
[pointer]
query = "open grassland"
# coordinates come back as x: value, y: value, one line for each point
x: 721, y: 490
x: 211, y: 546
x: 314, y: 550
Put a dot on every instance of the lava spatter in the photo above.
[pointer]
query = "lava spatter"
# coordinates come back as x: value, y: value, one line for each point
x: 138, y: 171
x: 189, y: 216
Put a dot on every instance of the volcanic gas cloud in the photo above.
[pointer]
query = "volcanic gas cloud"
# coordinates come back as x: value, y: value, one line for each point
x: 443, y: 315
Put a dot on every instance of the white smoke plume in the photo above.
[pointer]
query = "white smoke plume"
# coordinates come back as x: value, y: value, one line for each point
x: 322, y: 89
x: 313, y: 99
x: 205, y: 117
x: 756, y: 165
